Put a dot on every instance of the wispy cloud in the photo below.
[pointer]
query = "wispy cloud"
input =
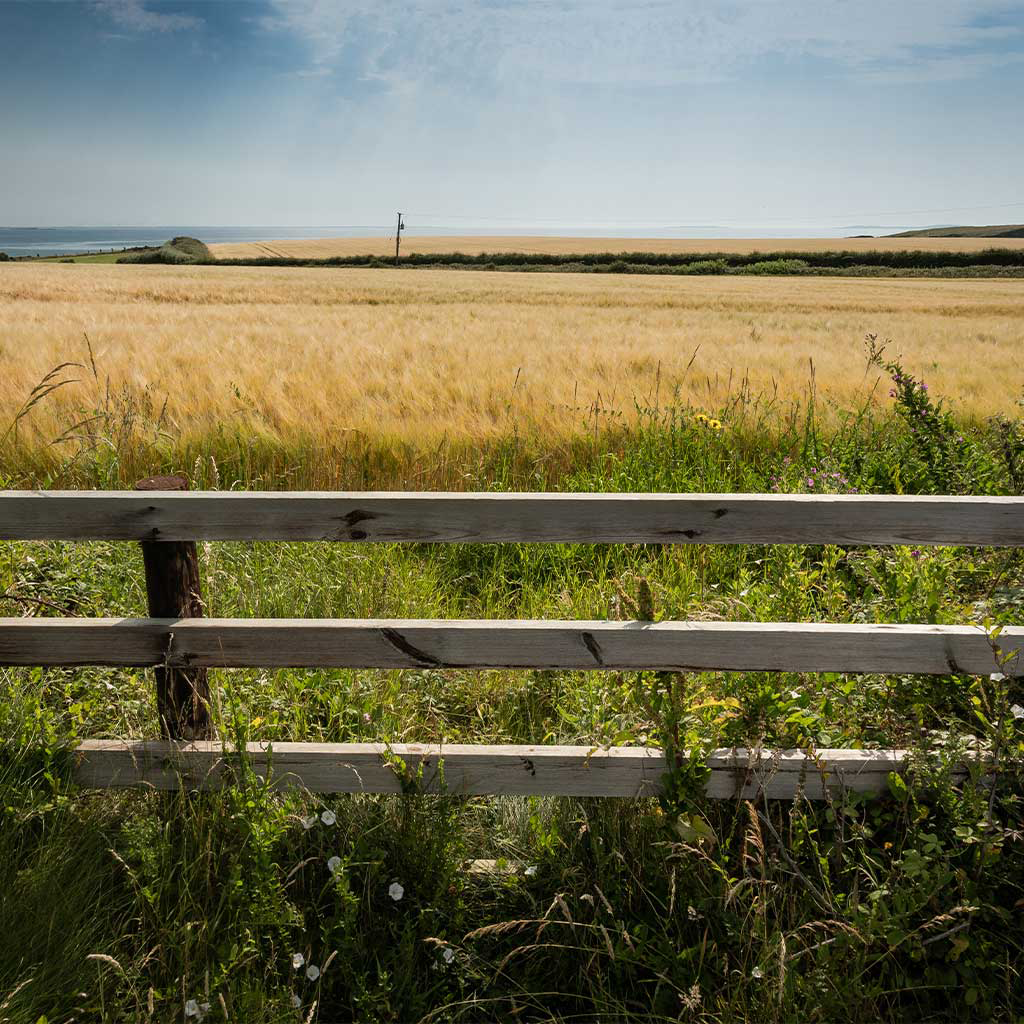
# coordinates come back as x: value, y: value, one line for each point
x: 136, y: 16
x: 654, y: 42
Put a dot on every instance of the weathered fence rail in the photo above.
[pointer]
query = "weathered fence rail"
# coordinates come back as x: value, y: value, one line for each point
x: 181, y: 645
x: 386, y: 516
x: 503, y: 643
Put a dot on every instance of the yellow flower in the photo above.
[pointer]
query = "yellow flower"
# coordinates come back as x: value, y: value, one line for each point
x: 715, y: 424
x: 701, y: 418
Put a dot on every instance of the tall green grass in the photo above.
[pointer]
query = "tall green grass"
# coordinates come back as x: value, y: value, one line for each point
x: 140, y: 906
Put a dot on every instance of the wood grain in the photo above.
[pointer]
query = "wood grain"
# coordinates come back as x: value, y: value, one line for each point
x: 516, y: 643
x: 489, y: 517
x: 477, y: 770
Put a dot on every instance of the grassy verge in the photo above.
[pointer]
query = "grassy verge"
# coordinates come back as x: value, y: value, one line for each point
x: 92, y: 257
x: 140, y: 906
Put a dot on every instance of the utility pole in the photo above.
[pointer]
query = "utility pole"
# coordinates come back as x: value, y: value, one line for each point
x: 398, y: 237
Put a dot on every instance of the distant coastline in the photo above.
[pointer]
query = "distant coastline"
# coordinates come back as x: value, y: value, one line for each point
x: 64, y: 241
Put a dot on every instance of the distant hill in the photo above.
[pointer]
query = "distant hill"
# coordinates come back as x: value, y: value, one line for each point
x: 181, y: 249
x: 989, y: 231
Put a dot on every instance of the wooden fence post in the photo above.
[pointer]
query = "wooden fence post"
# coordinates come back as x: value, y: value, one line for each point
x: 173, y: 591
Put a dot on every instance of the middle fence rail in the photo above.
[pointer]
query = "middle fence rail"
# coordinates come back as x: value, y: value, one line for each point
x: 168, y: 520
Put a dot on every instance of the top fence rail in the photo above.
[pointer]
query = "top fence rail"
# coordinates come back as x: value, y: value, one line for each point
x: 389, y: 517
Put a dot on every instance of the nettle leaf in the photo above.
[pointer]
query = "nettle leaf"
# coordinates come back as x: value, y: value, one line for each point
x: 897, y: 785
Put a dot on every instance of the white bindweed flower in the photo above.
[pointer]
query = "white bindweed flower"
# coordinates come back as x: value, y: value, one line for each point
x: 194, y: 1009
x: 308, y: 823
x: 312, y: 972
x: 297, y: 961
x: 997, y: 677
x: 1017, y: 711
x: 448, y: 954
x: 396, y: 891
x: 296, y: 1000
x: 333, y: 864
x: 757, y: 973
x: 530, y: 870
x: 328, y: 817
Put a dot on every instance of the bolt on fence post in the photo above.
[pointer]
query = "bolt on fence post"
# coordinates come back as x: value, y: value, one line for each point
x: 173, y: 592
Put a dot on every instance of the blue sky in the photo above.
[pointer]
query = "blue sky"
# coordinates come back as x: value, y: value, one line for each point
x: 759, y: 113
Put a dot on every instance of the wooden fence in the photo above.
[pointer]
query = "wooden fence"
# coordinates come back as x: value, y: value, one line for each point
x: 181, y: 645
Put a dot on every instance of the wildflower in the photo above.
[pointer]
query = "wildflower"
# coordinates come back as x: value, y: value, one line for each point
x: 786, y: 461
x: 924, y: 387
x: 366, y: 716
x: 892, y: 392
x: 328, y: 817
x: 296, y: 1000
x: 194, y: 1009
x: 448, y: 954
x: 886, y: 846
x: 693, y: 914
x: 810, y: 481
x: 312, y: 972
x: 530, y: 870
x: 997, y: 677
x: 715, y: 424
x: 757, y: 973
x: 308, y: 823
x: 396, y: 891
x: 916, y: 553
x: 333, y: 864
x: 1017, y: 711
x: 297, y: 961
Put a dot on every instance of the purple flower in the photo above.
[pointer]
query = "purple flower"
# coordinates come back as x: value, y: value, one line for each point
x: 924, y: 387
x: 810, y: 481
x: 915, y: 553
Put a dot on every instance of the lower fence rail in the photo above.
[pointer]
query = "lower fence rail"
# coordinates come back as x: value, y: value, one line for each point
x: 477, y: 770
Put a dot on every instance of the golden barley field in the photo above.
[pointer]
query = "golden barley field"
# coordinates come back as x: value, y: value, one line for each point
x: 296, y: 354
x: 324, y: 248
